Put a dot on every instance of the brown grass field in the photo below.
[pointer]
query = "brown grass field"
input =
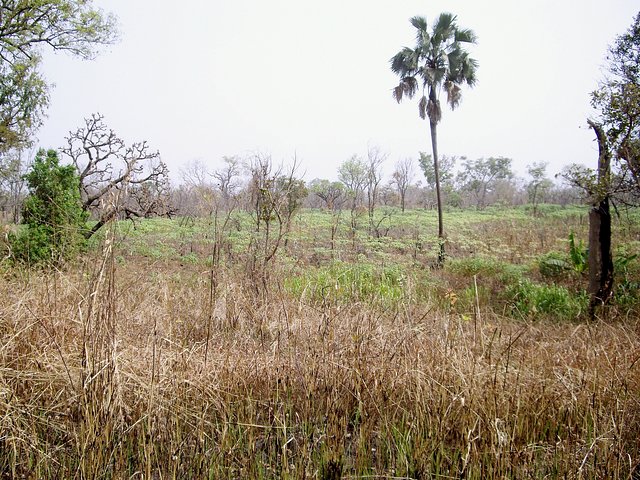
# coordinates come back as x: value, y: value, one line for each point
x: 126, y: 366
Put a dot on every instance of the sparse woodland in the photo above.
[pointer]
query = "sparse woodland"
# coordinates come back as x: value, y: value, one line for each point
x: 246, y: 323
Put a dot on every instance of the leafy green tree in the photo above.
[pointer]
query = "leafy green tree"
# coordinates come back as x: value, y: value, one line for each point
x: 331, y: 193
x: 617, y: 131
x: 402, y: 177
x: 23, y: 99
x: 446, y: 166
x: 53, y: 214
x: 539, y: 184
x: 353, y: 174
x: 616, y: 126
x: 480, y: 176
x: 438, y: 62
x: 446, y: 175
x: 26, y: 26
x: 618, y: 103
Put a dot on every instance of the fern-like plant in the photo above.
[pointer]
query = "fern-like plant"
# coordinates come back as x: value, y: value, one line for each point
x: 578, y: 254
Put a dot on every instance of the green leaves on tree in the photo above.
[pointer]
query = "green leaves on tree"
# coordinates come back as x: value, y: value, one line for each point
x: 53, y: 215
x: 26, y: 26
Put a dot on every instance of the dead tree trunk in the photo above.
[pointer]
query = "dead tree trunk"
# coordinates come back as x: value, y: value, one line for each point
x: 600, y: 257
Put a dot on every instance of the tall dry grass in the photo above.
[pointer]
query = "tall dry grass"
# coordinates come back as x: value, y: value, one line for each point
x: 136, y: 370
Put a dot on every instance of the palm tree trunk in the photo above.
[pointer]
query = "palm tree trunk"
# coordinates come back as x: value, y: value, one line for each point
x: 436, y: 171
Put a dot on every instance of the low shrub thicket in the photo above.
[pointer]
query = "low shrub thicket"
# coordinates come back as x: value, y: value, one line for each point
x: 344, y: 282
x: 54, y: 220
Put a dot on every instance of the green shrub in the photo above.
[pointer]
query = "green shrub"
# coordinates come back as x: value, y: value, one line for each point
x: 504, y: 272
x: 53, y: 215
x: 627, y: 280
x: 530, y: 300
x: 351, y: 282
x: 554, y: 265
x: 578, y: 254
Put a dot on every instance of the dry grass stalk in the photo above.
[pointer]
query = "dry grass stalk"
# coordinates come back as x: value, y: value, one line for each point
x: 290, y: 389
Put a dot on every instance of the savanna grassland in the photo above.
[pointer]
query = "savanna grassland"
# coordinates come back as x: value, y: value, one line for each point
x: 180, y: 349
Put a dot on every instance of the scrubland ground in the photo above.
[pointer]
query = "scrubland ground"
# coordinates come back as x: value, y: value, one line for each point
x: 153, y: 358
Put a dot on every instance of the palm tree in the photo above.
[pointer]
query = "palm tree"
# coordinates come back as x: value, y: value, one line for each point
x: 438, y: 62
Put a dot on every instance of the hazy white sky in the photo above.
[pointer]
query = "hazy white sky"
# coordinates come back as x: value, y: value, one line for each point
x: 200, y: 79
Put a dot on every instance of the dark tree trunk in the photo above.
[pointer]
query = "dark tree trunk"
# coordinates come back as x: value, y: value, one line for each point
x: 600, y: 257
x: 436, y: 171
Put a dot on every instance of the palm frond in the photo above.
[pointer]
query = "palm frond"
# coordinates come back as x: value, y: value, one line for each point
x: 411, y: 85
x: 422, y: 30
x: 469, y: 69
x: 454, y: 58
x: 444, y: 27
x: 397, y: 93
x: 433, y: 76
x: 462, y: 68
x: 465, y: 35
x: 422, y: 107
x: 408, y: 87
x: 439, y: 60
x: 419, y: 22
x: 454, y: 93
x: 403, y: 62
x: 434, y: 112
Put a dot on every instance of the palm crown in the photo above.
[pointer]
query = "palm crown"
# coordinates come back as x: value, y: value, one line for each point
x: 438, y: 60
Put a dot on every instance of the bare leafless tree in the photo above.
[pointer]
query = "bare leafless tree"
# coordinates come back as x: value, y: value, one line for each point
x: 276, y: 195
x: 198, y: 184
x: 375, y: 159
x: 334, y: 196
x: 402, y: 177
x: 228, y: 177
x: 113, y: 176
x: 196, y: 174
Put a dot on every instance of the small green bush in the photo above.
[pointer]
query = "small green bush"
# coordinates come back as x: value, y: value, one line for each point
x: 626, y: 270
x: 578, y: 254
x: 504, y: 272
x: 53, y: 215
x: 528, y: 299
x: 554, y: 265
x: 350, y: 282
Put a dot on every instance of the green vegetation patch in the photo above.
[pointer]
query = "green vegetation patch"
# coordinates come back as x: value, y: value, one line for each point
x: 528, y: 299
x: 344, y: 282
x: 486, y: 267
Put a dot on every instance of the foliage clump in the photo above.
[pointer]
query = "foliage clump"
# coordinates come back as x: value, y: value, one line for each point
x: 53, y: 215
x: 485, y: 267
x: 555, y: 265
x: 74, y: 26
x: 532, y: 300
x: 344, y: 282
